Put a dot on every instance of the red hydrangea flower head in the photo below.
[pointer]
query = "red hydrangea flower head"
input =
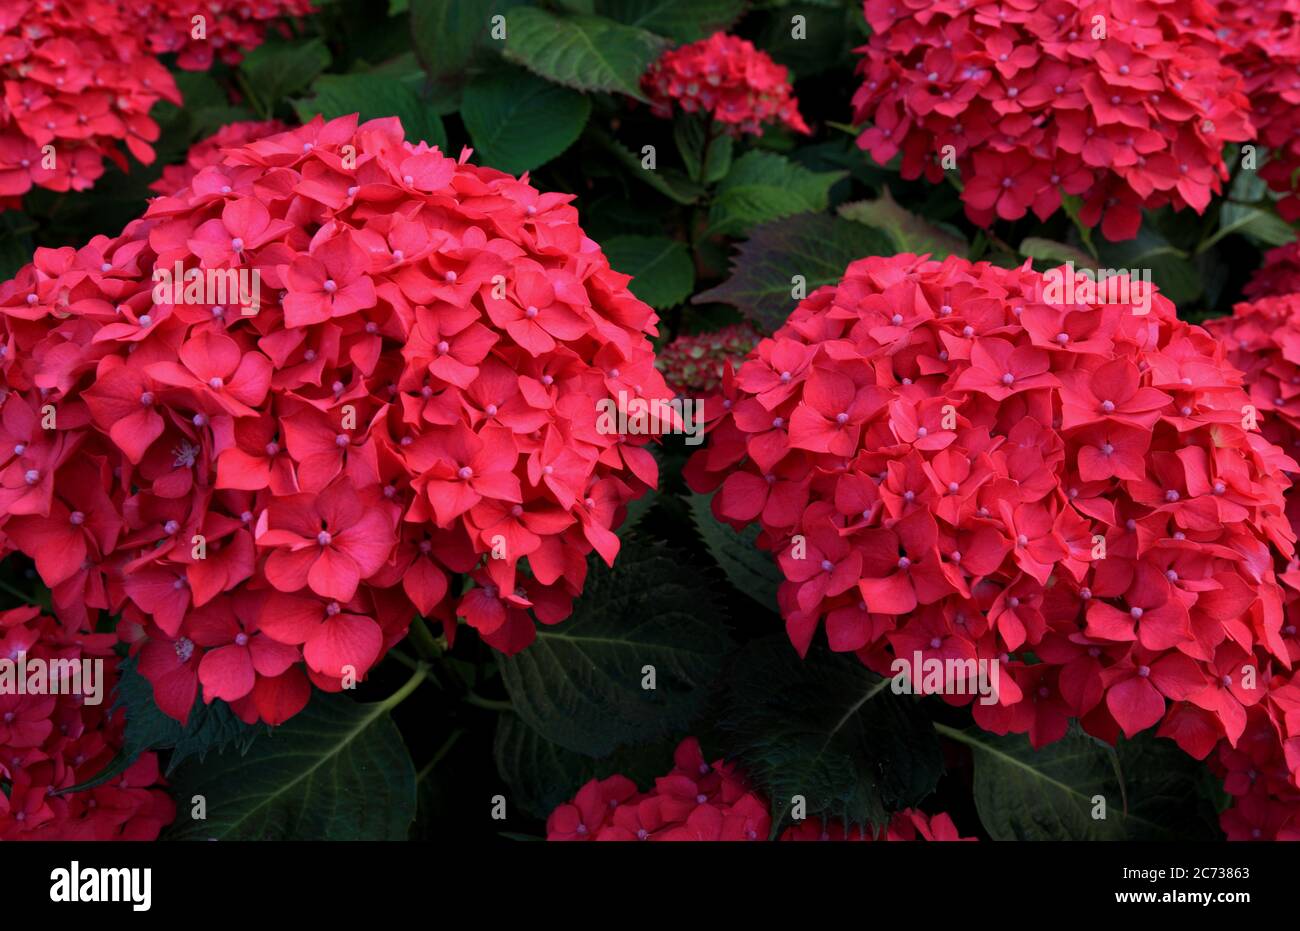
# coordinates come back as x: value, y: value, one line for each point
x: 1263, y: 341
x: 208, y: 151
x: 1124, y: 104
x: 1262, y: 770
x: 693, y: 363
x: 229, y: 27
x: 51, y: 742
x: 76, y: 82
x: 336, y: 380
x: 702, y: 801
x: 952, y: 461
x: 727, y: 78
x: 1280, y: 273
x: 1263, y: 37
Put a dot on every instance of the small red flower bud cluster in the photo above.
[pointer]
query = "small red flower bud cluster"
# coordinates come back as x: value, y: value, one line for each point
x: 209, y: 151
x: 727, y: 78
x: 77, y: 81
x: 693, y: 363
x: 951, y: 462
x: 201, y: 31
x: 1264, y: 38
x: 1280, y: 273
x: 274, y: 418
x: 701, y: 801
x: 1125, y: 104
x: 55, y: 739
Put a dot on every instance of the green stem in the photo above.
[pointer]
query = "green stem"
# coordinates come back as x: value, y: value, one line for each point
x: 392, y: 701
x: 442, y: 752
x: 955, y: 734
x: 490, y: 704
x: 404, y: 659
x: 425, y: 644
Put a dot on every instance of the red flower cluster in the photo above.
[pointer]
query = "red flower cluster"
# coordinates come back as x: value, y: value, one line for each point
x: 1264, y: 38
x: 952, y: 464
x: 373, y: 367
x: 1260, y: 772
x: 1263, y: 341
x: 1125, y: 103
x: 209, y: 151
x: 77, y: 80
x: 725, y: 77
x: 1280, y: 273
x: 56, y: 739
x: 201, y: 31
x: 699, y: 801
x: 693, y: 363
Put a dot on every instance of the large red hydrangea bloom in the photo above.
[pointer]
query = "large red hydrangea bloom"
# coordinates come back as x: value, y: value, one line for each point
x: 1033, y: 106
x: 947, y: 461
x: 1280, y: 273
x: 52, y: 742
x: 1264, y: 38
x: 77, y: 77
x: 726, y: 78
x: 406, y: 422
x: 229, y: 27
x: 702, y: 801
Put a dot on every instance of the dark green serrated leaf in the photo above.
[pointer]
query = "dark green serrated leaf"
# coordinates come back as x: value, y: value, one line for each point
x: 278, y: 69
x: 826, y: 728
x: 748, y: 568
x: 663, y: 274
x: 636, y: 510
x: 373, y: 96
x: 909, y: 232
x: 210, y: 728
x: 764, y: 186
x: 337, y: 771
x: 814, y: 246
x: 587, y: 53
x: 580, y: 684
x: 1148, y: 787
x: 683, y: 20
x: 453, y: 37
x: 518, y: 121
x: 542, y: 775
